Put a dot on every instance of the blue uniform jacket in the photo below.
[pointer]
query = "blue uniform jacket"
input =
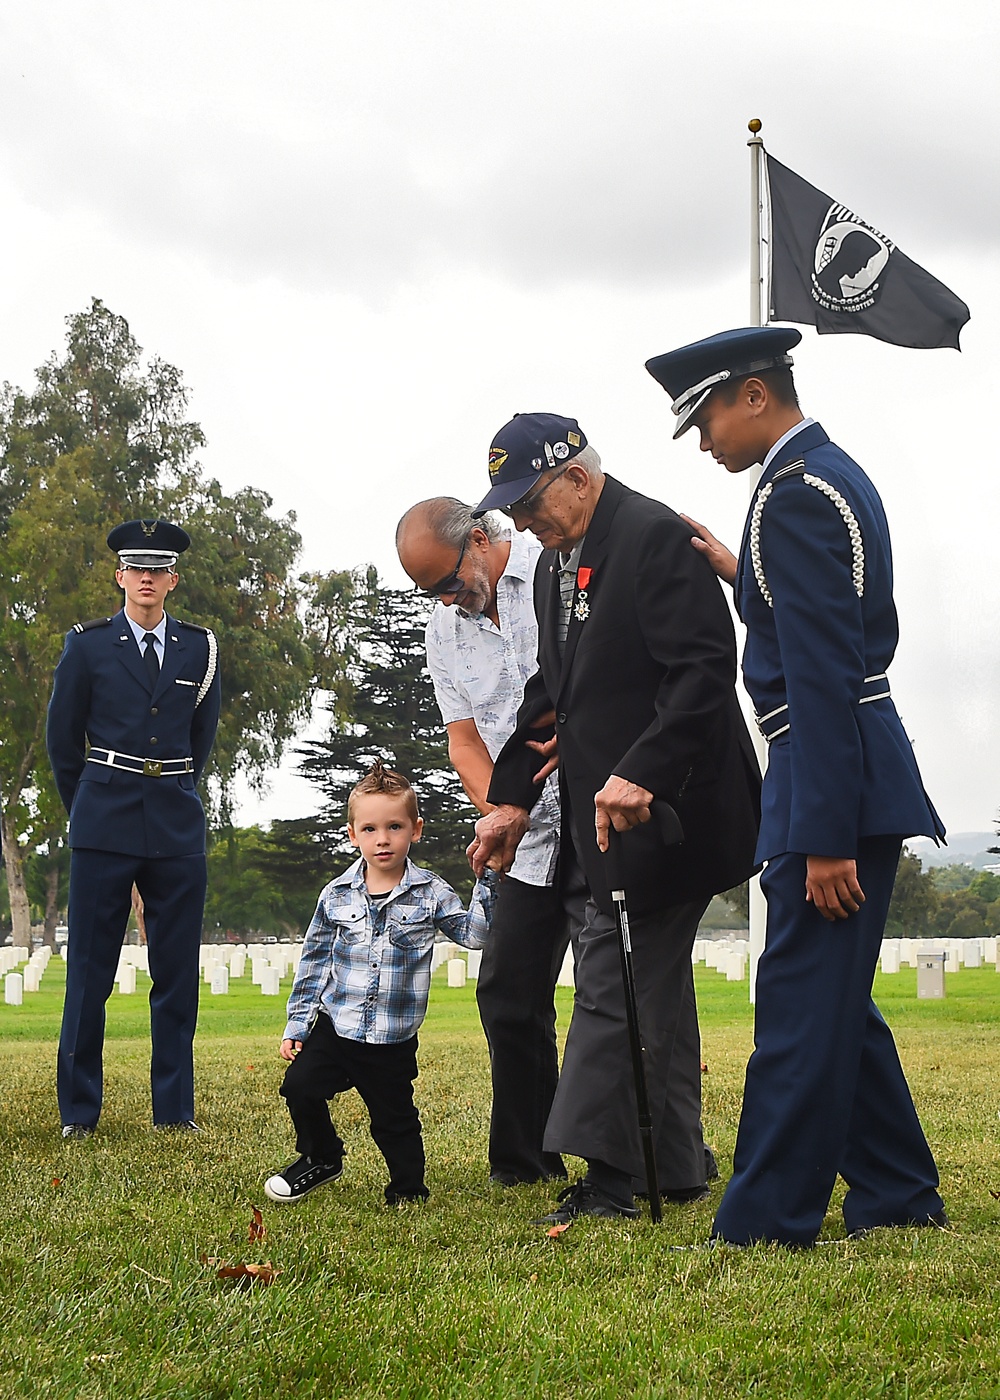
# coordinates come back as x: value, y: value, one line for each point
x: 814, y: 588
x: 102, y: 695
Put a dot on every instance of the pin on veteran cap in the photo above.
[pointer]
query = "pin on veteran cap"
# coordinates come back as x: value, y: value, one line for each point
x: 527, y: 445
x: 148, y: 544
x: 691, y: 373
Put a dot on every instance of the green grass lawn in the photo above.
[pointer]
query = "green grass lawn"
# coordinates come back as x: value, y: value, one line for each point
x: 103, y: 1294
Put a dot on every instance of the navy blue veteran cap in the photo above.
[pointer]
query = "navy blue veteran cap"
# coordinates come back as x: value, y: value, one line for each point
x: 148, y: 544
x: 691, y: 373
x: 525, y: 446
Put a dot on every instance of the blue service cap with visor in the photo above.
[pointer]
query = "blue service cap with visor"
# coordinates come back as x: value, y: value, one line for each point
x: 148, y: 544
x: 524, y: 447
x: 691, y: 373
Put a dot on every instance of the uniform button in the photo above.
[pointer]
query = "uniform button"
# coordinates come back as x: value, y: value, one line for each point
x: 561, y: 718
x: 153, y: 741
x: 154, y: 711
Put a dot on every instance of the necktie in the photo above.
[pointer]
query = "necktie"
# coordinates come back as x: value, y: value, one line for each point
x: 150, y: 658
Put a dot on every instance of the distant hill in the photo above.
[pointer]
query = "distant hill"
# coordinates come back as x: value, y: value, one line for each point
x: 963, y: 848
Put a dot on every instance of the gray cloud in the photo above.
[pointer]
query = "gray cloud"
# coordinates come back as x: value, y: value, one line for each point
x: 544, y: 146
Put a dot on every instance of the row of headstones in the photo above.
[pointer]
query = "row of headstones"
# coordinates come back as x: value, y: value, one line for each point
x: 729, y: 956
x: 269, y: 963
x: 15, y: 984
x: 957, y: 952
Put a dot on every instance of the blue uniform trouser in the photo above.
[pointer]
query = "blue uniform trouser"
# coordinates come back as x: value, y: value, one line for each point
x: 100, y: 898
x: 825, y: 1092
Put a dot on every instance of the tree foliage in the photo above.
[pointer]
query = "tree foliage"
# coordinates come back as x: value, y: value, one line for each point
x: 105, y: 436
x: 394, y: 716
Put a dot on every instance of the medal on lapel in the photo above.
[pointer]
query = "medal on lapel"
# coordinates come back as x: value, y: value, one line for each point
x: 582, y: 610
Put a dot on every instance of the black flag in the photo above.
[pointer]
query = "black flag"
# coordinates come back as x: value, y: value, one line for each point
x: 831, y: 270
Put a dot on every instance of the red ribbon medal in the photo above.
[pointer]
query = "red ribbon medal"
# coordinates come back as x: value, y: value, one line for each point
x: 582, y: 609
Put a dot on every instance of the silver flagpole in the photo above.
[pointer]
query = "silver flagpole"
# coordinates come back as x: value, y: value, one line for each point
x: 758, y: 905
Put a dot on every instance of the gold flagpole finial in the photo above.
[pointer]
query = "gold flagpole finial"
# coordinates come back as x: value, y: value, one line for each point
x: 754, y: 125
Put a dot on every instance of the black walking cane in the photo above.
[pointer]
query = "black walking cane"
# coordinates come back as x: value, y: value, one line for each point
x: 670, y: 830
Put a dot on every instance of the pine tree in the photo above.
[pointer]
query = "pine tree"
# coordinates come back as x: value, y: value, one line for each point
x: 394, y: 716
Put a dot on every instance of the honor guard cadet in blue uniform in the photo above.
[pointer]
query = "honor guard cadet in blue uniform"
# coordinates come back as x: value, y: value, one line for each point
x: 825, y: 1092
x: 131, y: 722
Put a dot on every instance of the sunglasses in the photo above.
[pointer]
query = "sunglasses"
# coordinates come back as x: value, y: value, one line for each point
x: 527, y: 504
x: 452, y: 584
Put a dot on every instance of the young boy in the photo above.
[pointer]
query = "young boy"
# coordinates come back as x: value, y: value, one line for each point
x: 360, y: 992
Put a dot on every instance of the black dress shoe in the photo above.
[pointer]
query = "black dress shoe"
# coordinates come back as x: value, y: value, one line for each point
x: 187, y: 1125
x: 938, y: 1221
x: 584, y: 1198
x: 684, y: 1196
x: 711, y: 1165
x: 76, y: 1132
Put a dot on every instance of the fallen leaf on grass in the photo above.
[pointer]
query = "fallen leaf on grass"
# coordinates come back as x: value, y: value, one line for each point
x: 558, y: 1230
x: 995, y: 1195
x: 240, y: 1275
x: 57, y: 1181
x: 246, y: 1275
x: 250, y: 1069
x: 704, y: 1067
x: 258, y: 1229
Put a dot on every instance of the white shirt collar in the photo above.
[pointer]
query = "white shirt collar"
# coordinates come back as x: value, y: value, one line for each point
x: 785, y: 437
x: 138, y: 631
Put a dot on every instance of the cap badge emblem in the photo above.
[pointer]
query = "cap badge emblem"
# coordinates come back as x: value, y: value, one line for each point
x: 497, y: 458
x: 148, y: 527
x: 573, y: 439
x: 561, y: 451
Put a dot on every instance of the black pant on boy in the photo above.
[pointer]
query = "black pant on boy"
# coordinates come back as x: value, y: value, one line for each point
x: 328, y: 1064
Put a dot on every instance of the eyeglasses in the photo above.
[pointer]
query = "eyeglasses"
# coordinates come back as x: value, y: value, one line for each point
x: 526, y: 505
x: 452, y: 584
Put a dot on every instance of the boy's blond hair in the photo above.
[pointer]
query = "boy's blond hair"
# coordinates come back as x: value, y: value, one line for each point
x: 380, y: 779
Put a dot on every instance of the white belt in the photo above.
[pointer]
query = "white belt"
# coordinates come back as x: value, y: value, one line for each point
x: 148, y: 767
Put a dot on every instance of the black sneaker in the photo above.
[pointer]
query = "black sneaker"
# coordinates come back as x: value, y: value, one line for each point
x: 76, y: 1132
x: 186, y: 1125
x: 300, y: 1178
x: 584, y: 1198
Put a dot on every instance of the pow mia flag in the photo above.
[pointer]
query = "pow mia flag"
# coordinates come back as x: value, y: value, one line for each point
x: 831, y: 270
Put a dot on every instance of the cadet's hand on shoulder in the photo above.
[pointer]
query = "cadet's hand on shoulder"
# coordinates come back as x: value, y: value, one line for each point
x: 620, y: 804
x: 497, y: 837
x: 832, y: 885
x: 722, y: 560
x: 289, y: 1049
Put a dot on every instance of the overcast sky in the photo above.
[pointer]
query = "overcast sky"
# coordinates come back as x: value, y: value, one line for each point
x: 369, y: 231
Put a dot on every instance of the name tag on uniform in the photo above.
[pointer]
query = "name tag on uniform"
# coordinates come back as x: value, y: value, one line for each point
x: 178, y: 681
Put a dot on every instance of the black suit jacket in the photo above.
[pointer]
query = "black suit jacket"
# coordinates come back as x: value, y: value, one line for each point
x: 646, y: 690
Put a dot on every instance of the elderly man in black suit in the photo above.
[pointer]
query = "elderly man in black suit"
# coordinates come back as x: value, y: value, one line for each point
x: 634, y: 697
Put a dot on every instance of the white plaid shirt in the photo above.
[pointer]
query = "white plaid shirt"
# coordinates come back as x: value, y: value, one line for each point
x: 368, y: 964
x: 479, y: 671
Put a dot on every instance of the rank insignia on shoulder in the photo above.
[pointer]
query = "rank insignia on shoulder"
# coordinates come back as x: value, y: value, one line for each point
x: 89, y: 626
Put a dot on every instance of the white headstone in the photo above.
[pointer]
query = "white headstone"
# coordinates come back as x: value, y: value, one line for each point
x: 890, y: 958
x: 270, y: 982
x: 64, y: 951
x: 736, y: 967
x: 566, y: 976
x: 472, y: 969
x: 973, y: 954
x: 13, y: 989
x: 456, y: 972
x: 259, y: 967
x: 32, y: 975
x: 951, y: 956
x: 126, y: 979
x: 209, y: 970
x: 220, y: 981
x: 239, y: 962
